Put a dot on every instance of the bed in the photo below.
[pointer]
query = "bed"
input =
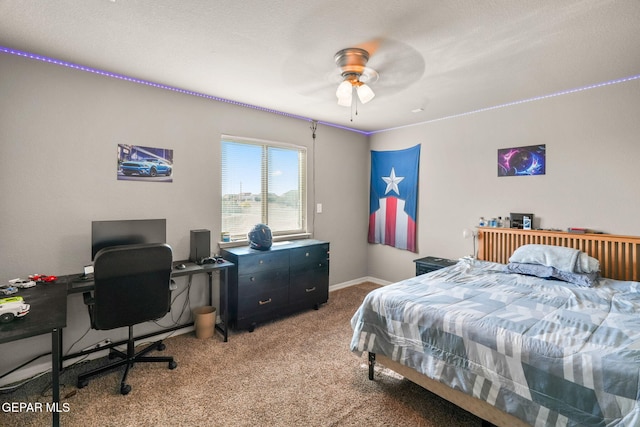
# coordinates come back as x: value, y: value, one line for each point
x: 516, y: 349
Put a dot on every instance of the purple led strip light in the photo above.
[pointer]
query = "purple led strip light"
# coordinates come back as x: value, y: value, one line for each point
x: 523, y: 101
x: 241, y: 104
x: 160, y: 86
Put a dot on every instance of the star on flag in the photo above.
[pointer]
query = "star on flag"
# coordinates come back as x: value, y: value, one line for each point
x: 392, y: 182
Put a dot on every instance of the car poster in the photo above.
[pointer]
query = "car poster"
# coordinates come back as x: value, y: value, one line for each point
x: 138, y: 163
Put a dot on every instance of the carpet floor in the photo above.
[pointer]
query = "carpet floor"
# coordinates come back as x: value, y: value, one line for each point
x: 290, y: 372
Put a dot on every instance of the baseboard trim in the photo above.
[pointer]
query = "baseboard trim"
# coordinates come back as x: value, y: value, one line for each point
x: 357, y: 282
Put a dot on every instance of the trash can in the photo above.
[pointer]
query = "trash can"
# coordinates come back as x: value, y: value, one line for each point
x: 205, y: 321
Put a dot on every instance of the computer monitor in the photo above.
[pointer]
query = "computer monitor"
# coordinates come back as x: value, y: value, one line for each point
x: 126, y: 232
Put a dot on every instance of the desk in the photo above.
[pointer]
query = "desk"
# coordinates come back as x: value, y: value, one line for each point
x: 75, y: 285
x: 193, y: 268
x: 48, y: 314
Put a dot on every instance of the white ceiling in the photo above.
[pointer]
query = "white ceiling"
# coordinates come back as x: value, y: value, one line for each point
x: 447, y: 57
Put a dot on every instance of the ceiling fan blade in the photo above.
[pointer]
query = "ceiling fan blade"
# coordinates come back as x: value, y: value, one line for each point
x: 371, y: 46
x: 398, y: 65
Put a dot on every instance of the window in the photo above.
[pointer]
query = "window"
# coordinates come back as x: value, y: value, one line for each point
x: 262, y: 182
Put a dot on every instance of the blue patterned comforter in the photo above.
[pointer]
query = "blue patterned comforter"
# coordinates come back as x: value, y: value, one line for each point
x: 545, y: 351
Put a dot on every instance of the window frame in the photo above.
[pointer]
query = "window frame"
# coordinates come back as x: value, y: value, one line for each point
x: 302, y: 183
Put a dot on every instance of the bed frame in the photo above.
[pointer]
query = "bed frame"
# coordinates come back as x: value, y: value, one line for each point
x: 619, y: 258
x: 618, y: 255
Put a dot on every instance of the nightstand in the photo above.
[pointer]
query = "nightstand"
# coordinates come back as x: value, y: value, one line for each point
x: 429, y: 263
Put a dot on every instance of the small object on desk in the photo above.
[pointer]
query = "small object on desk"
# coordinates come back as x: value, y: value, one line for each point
x: 8, y: 290
x: 180, y: 267
x: 12, y: 307
x: 21, y: 283
x: 211, y: 260
x: 87, y: 274
x: 43, y: 278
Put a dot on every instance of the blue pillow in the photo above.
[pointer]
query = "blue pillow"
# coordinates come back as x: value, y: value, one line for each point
x: 587, y: 280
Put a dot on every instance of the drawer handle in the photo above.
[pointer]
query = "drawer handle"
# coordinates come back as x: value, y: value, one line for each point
x: 310, y: 289
x: 306, y: 254
x: 261, y: 262
x: 267, y: 301
x: 253, y: 279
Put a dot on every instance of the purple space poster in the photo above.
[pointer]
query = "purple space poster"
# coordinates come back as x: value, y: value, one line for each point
x: 530, y: 160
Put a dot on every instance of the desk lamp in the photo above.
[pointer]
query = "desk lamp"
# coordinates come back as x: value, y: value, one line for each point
x: 467, y: 233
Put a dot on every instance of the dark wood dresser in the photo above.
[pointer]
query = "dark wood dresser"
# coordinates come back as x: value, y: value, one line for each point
x: 289, y: 277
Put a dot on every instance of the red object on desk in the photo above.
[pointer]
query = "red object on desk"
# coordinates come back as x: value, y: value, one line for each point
x: 43, y: 278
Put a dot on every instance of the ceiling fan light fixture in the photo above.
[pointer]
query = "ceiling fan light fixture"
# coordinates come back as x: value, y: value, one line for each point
x: 352, y: 63
x: 345, y: 93
x: 365, y: 93
x: 344, y: 89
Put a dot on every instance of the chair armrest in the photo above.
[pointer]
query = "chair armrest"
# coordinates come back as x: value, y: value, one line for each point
x: 88, y: 298
x: 90, y: 302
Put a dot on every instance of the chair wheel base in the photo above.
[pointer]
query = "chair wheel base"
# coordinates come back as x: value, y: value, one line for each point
x: 161, y: 346
x: 125, y: 389
x: 173, y: 365
x: 82, y: 383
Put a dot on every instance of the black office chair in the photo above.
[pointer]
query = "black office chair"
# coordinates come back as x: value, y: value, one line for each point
x: 132, y: 285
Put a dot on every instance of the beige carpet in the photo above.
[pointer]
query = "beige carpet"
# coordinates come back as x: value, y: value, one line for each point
x: 290, y: 372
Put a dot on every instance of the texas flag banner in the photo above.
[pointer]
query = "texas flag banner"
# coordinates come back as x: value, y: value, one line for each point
x: 393, y: 200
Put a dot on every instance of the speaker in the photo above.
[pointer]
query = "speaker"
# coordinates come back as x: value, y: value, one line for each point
x: 200, y: 245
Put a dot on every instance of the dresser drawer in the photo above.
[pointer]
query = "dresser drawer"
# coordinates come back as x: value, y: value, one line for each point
x: 264, y: 302
x: 310, y: 285
x: 316, y: 256
x: 262, y: 281
x: 263, y: 261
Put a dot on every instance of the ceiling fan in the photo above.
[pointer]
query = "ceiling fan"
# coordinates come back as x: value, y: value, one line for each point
x: 356, y: 76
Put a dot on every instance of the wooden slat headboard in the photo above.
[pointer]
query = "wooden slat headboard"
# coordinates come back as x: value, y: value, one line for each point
x: 618, y: 255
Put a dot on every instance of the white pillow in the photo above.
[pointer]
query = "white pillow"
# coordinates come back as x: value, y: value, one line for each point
x: 561, y: 258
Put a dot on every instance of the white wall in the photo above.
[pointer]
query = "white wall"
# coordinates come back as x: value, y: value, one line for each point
x: 59, y: 129
x: 593, y: 148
